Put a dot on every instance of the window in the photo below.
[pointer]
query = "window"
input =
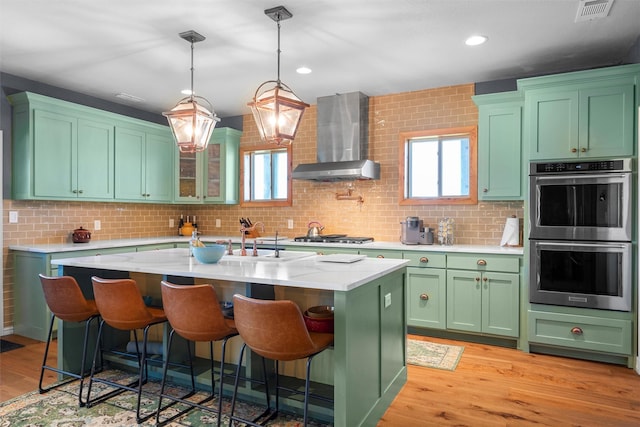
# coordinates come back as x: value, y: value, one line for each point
x: 266, y: 176
x: 438, y: 167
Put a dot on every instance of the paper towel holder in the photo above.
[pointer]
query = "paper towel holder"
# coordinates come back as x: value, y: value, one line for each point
x: 519, y: 235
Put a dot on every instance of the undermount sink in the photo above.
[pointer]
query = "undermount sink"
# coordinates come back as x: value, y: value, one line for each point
x: 267, y: 255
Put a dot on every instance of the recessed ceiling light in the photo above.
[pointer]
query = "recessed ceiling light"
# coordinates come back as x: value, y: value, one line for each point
x: 475, y: 40
x: 303, y: 70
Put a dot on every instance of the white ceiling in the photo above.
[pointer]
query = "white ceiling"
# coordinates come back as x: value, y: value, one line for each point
x: 104, y: 47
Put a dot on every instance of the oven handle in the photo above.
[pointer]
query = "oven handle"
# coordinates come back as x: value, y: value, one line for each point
x: 580, y: 176
x: 583, y: 244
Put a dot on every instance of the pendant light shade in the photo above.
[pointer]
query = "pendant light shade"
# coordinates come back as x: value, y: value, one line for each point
x: 276, y: 109
x: 192, y: 122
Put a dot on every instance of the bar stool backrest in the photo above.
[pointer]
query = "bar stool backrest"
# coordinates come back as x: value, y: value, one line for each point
x: 194, y: 312
x: 120, y: 303
x: 273, y: 329
x: 65, y: 299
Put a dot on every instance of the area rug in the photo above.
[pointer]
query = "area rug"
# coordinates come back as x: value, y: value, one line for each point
x: 59, y: 408
x: 433, y: 355
x: 8, y: 345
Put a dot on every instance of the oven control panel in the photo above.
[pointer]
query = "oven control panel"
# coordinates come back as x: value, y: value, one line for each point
x: 621, y: 165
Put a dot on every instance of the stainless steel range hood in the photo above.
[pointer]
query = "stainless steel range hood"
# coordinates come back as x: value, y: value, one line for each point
x: 343, y: 139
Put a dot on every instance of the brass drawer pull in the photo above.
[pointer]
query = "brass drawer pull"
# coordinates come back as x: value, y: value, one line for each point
x: 380, y: 256
x: 424, y: 297
x: 424, y: 259
x: 576, y: 330
x: 574, y: 150
x: 482, y: 262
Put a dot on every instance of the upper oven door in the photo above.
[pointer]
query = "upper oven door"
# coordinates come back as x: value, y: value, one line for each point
x: 581, y: 206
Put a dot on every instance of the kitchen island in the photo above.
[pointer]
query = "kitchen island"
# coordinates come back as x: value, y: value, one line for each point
x: 369, y: 360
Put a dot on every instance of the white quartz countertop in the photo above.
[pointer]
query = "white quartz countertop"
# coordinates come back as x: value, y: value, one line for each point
x: 307, y: 271
x: 118, y: 243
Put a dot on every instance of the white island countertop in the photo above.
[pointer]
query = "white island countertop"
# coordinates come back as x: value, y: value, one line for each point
x: 306, y: 271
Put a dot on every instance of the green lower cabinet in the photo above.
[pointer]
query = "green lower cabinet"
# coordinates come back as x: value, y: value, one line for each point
x: 582, y: 329
x: 483, y: 302
x: 426, y: 297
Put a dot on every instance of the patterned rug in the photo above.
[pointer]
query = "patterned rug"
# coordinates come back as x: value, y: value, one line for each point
x: 8, y: 345
x: 59, y: 408
x: 432, y: 355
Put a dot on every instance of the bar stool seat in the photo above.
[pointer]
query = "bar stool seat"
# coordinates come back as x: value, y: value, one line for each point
x: 194, y: 314
x: 66, y: 302
x: 276, y: 330
x: 121, y: 306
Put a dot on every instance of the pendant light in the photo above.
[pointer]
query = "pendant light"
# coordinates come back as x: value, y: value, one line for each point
x: 276, y: 109
x: 190, y: 121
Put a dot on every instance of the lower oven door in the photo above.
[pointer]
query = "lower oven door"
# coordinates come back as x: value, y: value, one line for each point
x: 581, y: 274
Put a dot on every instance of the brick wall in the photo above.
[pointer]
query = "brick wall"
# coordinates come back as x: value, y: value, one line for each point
x: 379, y: 216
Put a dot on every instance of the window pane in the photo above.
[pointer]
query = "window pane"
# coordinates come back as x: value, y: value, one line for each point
x: 423, y: 168
x: 455, y: 167
x: 261, y: 176
x: 247, y: 177
x: 280, y: 175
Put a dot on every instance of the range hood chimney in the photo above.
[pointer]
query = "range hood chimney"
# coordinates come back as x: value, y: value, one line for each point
x: 343, y: 139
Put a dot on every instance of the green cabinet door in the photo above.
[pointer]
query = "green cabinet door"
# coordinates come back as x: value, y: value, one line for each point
x: 464, y: 301
x: 606, y: 121
x: 158, y: 166
x: 552, y: 124
x: 426, y: 297
x: 500, y: 303
x: 144, y: 162
x: 500, y: 146
x: 54, y: 155
x: 486, y: 302
x: 95, y: 167
x: 130, y: 164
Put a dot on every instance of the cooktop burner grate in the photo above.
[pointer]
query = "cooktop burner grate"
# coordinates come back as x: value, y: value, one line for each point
x: 333, y: 238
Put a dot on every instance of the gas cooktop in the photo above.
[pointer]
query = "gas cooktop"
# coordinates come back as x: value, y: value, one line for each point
x: 333, y: 238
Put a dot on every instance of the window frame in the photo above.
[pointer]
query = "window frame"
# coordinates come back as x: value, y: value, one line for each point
x: 468, y: 131
x: 271, y: 202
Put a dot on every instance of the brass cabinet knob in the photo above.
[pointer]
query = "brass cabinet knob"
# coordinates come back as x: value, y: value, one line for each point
x: 583, y: 149
x: 482, y: 262
x: 574, y: 150
x: 477, y: 279
x: 576, y: 330
x: 424, y: 297
x: 424, y: 259
x: 485, y: 190
x: 484, y: 279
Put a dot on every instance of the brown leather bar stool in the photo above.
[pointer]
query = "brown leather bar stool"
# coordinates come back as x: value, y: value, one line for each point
x: 194, y: 313
x: 67, y: 303
x: 276, y: 330
x: 121, y: 306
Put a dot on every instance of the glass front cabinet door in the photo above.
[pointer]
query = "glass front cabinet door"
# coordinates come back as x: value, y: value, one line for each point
x: 210, y: 176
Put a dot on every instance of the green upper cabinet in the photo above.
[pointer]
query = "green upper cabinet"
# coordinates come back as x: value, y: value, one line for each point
x: 500, y: 146
x: 213, y: 175
x: 144, y: 161
x: 587, y: 114
x: 59, y: 154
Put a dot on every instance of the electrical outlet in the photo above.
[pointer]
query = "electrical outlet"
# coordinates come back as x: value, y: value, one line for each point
x: 171, y: 223
x: 218, y: 223
x: 96, y: 225
x: 387, y: 300
x: 13, y: 217
x: 290, y: 224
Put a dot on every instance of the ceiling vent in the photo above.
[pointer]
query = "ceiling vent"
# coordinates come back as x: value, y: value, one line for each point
x: 589, y: 10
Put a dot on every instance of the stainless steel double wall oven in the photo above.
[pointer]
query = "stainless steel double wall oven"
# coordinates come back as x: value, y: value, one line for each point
x: 580, y: 234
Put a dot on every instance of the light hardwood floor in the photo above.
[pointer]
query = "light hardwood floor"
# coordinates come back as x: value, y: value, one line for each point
x: 492, y: 386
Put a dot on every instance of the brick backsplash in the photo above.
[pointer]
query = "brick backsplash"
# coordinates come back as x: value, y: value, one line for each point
x: 379, y: 216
